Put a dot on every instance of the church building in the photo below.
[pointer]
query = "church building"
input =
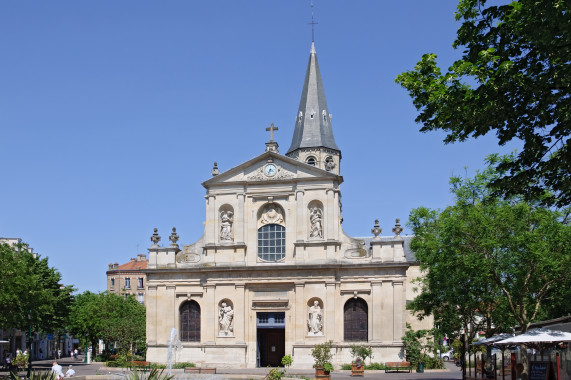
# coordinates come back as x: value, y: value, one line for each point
x: 274, y: 273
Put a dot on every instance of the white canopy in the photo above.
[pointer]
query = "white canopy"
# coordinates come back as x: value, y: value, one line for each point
x: 492, y: 340
x: 538, y: 336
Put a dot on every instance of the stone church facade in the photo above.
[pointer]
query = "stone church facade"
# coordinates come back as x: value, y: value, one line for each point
x: 274, y: 273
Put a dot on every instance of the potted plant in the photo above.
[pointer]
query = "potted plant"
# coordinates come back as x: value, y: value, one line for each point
x: 322, y: 356
x: 359, y: 354
x: 357, y: 367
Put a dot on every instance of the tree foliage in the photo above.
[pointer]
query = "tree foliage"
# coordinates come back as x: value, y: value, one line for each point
x: 109, y: 317
x: 490, y: 263
x: 514, y: 79
x: 32, y: 293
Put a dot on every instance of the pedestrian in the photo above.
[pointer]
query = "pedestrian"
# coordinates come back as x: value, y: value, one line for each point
x: 75, y: 353
x: 59, y: 353
x: 57, y: 370
x: 70, y: 372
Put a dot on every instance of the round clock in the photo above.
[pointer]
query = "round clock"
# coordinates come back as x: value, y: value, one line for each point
x: 270, y: 170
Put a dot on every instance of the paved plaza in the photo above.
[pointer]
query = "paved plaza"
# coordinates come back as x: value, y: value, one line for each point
x: 98, y: 370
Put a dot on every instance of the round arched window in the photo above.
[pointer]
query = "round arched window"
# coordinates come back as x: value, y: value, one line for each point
x: 311, y: 161
x: 271, y: 242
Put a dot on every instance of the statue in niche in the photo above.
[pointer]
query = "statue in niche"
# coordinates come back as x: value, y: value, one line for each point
x: 316, y: 218
x: 226, y: 221
x: 225, y: 318
x: 272, y: 215
x: 315, y: 319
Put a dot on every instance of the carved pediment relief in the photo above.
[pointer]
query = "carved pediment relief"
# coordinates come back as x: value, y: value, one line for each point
x: 261, y: 175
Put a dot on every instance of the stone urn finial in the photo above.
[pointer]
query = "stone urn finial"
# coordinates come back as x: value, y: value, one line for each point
x: 215, y: 170
x: 397, y: 229
x: 376, y: 230
x: 174, y: 238
x: 155, y: 238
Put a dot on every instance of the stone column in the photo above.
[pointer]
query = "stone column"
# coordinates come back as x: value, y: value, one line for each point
x: 376, y: 311
x: 209, y: 317
x: 300, y: 313
x: 239, y: 314
x: 399, y: 307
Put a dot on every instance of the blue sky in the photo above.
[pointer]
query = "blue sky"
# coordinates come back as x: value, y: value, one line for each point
x: 112, y: 113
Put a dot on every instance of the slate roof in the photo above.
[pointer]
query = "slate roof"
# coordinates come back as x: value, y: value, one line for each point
x: 313, y: 121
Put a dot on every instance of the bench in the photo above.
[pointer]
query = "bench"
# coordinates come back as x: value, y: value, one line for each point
x: 398, y: 366
x: 199, y: 370
x: 139, y: 365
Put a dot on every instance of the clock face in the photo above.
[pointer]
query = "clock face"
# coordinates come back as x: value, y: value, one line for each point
x: 270, y: 170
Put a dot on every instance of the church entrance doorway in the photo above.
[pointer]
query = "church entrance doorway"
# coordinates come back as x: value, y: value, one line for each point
x: 270, y: 333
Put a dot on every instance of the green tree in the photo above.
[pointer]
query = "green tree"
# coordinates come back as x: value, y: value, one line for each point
x: 110, y: 317
x: 32, y: 293
x: 514, y: 80
x: 499, y: 259
x: 85, y: 319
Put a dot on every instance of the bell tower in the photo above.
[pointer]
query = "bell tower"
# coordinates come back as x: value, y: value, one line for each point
x: 313, y: 141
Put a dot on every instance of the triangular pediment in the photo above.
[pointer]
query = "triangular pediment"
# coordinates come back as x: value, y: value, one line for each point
x: 271, y: 167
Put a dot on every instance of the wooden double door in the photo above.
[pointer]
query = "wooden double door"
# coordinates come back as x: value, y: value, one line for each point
x: 271, y: 346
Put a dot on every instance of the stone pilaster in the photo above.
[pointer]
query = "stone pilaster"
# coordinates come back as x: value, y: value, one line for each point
x: 151, y: 306
x: 211, y: 220
x: 387, y: 311
x: 376, y: 311
x: 329, y: 310
x: 240, y: 314
x: 209, y: 319
x: 329, y: 232
x: 300, y: 313
x: 399, y: 310
x: 240, y: 226
x: 300, y: 222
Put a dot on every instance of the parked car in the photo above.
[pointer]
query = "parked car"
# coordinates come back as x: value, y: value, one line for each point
x: 447, y: 355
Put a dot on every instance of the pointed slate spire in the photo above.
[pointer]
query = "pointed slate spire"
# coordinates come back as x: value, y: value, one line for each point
x: 313, y: 122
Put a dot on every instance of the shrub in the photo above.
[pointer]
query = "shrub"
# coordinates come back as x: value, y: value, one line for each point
x: 158, y: 366
x: 375, y: 366
x: 182, y: 365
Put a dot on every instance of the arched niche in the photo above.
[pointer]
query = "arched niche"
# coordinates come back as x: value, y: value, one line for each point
x: 226, y: 223
x: 225, y: 317
x: 315, y: 317
x: 315, y: 223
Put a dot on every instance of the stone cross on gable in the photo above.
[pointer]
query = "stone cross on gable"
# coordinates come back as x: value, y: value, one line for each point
x: 271, y: 129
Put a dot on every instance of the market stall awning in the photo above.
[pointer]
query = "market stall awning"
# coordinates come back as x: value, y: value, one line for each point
x: 492, y: 340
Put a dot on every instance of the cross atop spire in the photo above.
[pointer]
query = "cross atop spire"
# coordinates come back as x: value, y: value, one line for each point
x: 312, y: 23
